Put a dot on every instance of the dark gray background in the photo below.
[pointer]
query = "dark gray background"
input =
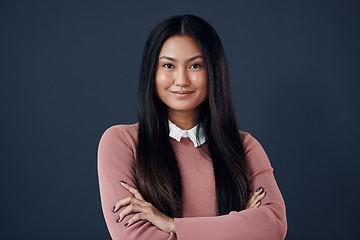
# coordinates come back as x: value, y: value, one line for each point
x: 69, y: 70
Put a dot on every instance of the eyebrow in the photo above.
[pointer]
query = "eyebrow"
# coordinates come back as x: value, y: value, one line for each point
x: 174, y: 60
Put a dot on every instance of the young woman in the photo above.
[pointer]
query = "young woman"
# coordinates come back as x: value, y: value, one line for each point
x: 185, y: 171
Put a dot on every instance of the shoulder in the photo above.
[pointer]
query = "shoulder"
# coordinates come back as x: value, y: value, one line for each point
x: 248, y: 140
x: 126, y: 128
x: 255, y: 154
x: 120, y: 136
x: 122, y: 131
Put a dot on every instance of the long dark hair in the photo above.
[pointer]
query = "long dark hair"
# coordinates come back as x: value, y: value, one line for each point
x: 157, y: 173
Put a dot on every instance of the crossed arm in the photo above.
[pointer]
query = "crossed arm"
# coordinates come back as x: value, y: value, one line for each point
x: 116, y: 159
x: 146, y: 211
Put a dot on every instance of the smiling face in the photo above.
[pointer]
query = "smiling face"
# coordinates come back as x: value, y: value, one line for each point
x: 181, y: 78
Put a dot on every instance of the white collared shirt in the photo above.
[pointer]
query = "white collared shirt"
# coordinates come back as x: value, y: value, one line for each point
x: 177, y: 133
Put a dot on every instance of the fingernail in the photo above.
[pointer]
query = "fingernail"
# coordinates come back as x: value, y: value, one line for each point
x: 258, y: 202
x: 262, y: 193
x: 123, y: 182
x: 126, y: 224
x: 118, y: 218
x: 113, y: 209
x: 258, y: 190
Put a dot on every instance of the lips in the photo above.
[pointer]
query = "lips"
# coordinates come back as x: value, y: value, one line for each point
x: 182, y: 93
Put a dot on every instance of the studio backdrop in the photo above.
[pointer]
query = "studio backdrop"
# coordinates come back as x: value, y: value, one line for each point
x: 70, y: 69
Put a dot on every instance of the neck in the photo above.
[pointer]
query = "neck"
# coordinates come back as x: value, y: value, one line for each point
x: 184, y: 119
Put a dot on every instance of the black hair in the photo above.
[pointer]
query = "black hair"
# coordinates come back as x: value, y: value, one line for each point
x: 157, y: 173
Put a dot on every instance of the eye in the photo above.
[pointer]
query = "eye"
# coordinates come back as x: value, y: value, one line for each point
x: 194, y: 66
x: 168, y: 65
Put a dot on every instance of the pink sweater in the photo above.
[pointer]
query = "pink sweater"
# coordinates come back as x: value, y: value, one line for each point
x: 116, y: 161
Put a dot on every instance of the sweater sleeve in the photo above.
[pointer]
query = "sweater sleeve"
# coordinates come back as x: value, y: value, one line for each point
x: 116, y: 161
x: 265, y: 222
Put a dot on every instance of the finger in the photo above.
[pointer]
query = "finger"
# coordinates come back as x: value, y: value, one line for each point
x: 126, y: 201
x: 259, y: 190
x: 134, y: 219
x: 132, y: 190
x: 255, y: 197
x: 252, y: 196
x: 252, y: 200
x: 259, y: 196
x: 250, y: 204
x: 121, y: 203
x: 256, y: 192
x: 132, y: 208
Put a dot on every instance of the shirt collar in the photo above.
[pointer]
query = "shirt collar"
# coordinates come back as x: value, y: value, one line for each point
x: 177, y: 133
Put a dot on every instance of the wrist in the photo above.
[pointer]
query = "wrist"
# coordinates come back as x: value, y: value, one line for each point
x: 172, y: 225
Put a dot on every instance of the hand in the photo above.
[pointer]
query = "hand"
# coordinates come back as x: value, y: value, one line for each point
x: 255, y: 198
x: 143, y: 211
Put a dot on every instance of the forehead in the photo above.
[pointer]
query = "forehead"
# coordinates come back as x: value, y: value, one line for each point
x: 180, y: 47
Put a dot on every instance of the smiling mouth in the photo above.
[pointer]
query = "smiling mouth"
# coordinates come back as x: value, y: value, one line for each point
x: 182, y: 93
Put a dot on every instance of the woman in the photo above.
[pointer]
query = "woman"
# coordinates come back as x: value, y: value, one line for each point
x: 185, y: 171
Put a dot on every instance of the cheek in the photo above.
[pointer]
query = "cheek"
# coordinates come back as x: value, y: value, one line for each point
x: 162, y: 80
x: 204, y: 81
x: 201, y: 81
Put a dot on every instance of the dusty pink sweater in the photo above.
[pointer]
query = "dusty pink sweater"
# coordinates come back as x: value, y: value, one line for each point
x: 116, y: 161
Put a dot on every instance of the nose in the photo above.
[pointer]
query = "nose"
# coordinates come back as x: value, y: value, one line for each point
x: 181, y: 78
